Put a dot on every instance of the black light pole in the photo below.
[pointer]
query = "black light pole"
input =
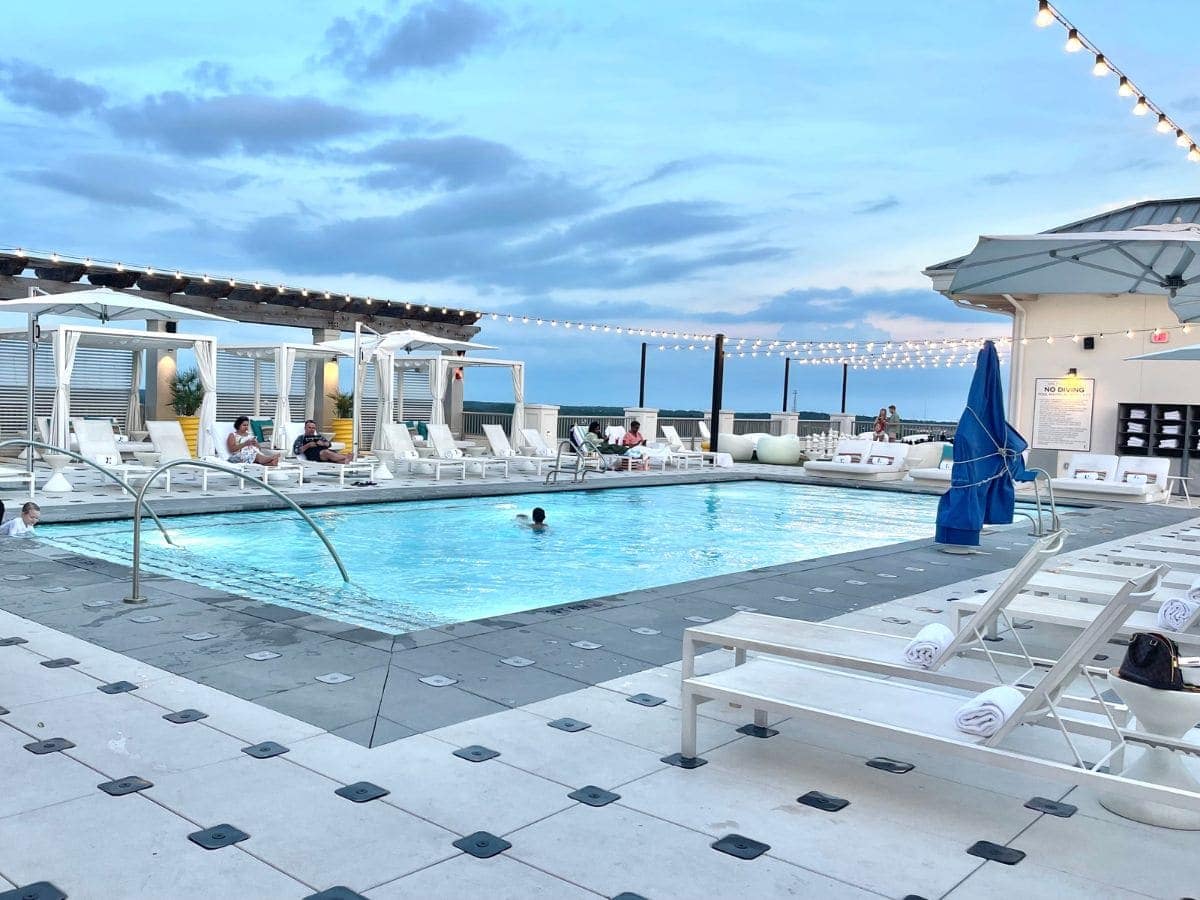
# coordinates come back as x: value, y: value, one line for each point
x: 642, y: 380
x: 845, y: 372
x: 718, y: 389
x: 787, y: 370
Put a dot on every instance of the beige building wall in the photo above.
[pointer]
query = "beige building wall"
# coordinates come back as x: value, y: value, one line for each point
x: 1116, y: 380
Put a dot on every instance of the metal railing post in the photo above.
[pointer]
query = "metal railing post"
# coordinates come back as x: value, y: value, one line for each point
x: 135, y: 591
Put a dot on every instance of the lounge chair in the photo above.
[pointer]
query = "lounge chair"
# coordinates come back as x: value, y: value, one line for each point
x: 18, y: 475
x: 535, y: 444
x: 681, y: 456
x: 443, y: 444
x: 1098, y: 476
x: 98, y: 444
x: 170, y: 444
x: 585, y: 457
x: 362, y: 469
x: 283, y: 471
x: 502, y: 449
x: 924, y: 715
x: 862, y: 460
x: 401, y: 443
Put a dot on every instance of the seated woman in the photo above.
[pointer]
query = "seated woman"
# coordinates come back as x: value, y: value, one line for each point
x: 881, y: 426
x: 242, y: 447
x: 596, y: 440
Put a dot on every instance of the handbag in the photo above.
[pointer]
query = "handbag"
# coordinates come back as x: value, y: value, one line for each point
x: 1152, y: 660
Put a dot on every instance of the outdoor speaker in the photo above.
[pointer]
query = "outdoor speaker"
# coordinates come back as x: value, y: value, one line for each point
x: 1089, y: 343
x: 172, y: 327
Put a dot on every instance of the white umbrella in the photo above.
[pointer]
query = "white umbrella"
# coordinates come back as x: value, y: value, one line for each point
x: 1190, y: 354
x: 1150, y: 259
x: 100, y: 304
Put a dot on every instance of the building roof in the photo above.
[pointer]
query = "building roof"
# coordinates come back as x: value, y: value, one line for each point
x: 1146, y: 212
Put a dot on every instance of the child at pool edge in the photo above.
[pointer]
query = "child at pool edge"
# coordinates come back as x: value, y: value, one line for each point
x: 22, y: 524
x: 537, y: 522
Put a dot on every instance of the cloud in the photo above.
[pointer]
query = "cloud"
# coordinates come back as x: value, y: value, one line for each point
x: 877, y: 206
x: 653, y: 224
x: 1190, y: 103
x: 254, y: 124
x: 999, y: 179
x: 26, y: 84
x: 448, y: 162
x: 691, y: 164
x: 435, y: 34
x: 209, y: 75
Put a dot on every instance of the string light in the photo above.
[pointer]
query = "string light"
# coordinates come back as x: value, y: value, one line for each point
x: 1101, y: 67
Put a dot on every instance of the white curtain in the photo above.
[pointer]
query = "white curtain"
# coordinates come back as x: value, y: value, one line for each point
x: 310, y: 387
x: 206, y: 367
x: 285, y: 358
x: 518, y: 415
x: 133, y: 415
x: 439, y: 371
x: 398, y: 399
x: 360, y: 379
x: 257, y: 388
x: 65, y: 344
x: 385, y: 377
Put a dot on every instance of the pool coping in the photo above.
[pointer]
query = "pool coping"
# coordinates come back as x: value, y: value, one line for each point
x: 386, y: 700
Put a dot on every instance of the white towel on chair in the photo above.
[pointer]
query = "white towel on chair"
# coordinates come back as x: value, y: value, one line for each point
x: 928, y: 645
x: 986, y: 714
x: 1177, y: 613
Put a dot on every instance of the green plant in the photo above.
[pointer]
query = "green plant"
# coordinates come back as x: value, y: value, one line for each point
x: 343, y: 403
x: 187, y: 393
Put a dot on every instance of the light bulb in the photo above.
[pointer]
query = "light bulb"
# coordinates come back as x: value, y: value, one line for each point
x: 1124, y: 89
x: 1164, y: 124
x: 1194, y: 154
x: 1129, y: 334
x: 1181, y: 139
x: 1100, y: 69
x: 1073, y: 44
x: 1140, y: 108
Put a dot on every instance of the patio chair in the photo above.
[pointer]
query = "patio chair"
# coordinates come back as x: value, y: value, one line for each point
x: 402, y: 445
x: 167, y: 438
x: 283, y: 471
x: 362, y: 469
x: 98, y: 444
x: 502, y: 449
x: 681, y: 456
x: 443, y: 444
x: 829, y: 698
x: 18, y: 475
x: 536, y: 444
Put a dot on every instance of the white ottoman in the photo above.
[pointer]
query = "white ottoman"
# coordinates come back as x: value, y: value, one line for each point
x: 780, y: 451
x: 740, y: 447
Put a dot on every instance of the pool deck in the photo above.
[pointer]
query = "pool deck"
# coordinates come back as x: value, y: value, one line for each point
x: 191, y: 647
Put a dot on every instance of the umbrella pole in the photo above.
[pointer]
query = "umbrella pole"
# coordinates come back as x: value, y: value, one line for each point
x: 357, y: 363
x: 845, y: 373
x: 787, y: 371
x: 714, y: 428
x: 31, y: 372
x: 642, y: 380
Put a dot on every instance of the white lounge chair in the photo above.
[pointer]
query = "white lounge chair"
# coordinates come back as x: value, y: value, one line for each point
x: 98, y: 444
x: 1135, y: 479
x: 402, y: 445
x: 502, y: 449
x: 681, y: 456
x: 535, y: 444
x: 862, y: 460
x: 283, y: 471
x: 443, y: 444
x: 828, y: 697
x: 167, y: 438
x: 18, y: 475
x: 363, y: 469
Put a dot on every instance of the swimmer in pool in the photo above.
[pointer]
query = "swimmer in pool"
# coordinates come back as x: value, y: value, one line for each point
x: 536, y: 522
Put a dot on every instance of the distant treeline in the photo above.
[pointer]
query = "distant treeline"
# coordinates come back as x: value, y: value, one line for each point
x: 611, y: 411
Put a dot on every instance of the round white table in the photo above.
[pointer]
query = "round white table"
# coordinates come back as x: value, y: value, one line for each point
x: 57, y: 483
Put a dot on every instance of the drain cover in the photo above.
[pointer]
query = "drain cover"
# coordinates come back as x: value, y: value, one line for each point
x: 338, y: 892
x: 699, y: 620
x: 476, y: 753
x: 854, y: 581
x: 51, y: 745
x: 217, y: 837
x: 646, y: 700
x: 628, y: 895
x: 362, y: 791
x: 96, y: 604
x: 758, y: 731
x: 265, y: 750
x: 335, y: 678
x: 185, y: 715
x: 644, y: 630
x: 996, y: 853
x: 145, y: 619
x: 17, y: 577
x: 39, y: 890
x: 586, y: 645
x: 117, y: 687
x: 262, y: 655
x: 61, y: 663
x: 783, y: 599
x: 482, y: 845
x: 568, y: 725
x: 1052, y: 807
x: 823, y: 802
x: 12, y: 642
x: 684, y: 762
x: 821, y: 590
x: 594, y: 796
x: 130, y: 784
x: 741, y: 847
x: 438, y: 680
x: 57, y: 589
x: 746, y: 608
x: 200, y: 636
x: 518, y: 662
x: 887, y: 764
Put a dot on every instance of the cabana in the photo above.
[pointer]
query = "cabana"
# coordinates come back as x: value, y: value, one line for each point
x: 67, y: 339
x: 284, y: 357
x: 440, y: 374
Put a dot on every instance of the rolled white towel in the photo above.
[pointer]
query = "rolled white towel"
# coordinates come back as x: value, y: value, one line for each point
x: 930, y: 642
x: 1177, y: 613
x: 985, y: 714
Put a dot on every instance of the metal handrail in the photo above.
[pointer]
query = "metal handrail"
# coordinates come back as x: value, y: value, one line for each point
x: 27, y: 442
x: 1055, y: 521
x: 135, y: 591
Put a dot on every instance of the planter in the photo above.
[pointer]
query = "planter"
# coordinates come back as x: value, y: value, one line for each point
x: 343, y: 431
x: 190, y: 426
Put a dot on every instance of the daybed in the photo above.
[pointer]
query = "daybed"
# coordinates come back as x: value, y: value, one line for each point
x: 861, y: 460
x: 1135, y: 479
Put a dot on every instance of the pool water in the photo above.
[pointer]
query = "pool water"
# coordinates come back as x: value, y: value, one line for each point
x: 423, y: 564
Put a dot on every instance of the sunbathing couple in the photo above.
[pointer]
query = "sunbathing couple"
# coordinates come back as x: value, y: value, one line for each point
x: 595, y: 440
x: 243, y: 447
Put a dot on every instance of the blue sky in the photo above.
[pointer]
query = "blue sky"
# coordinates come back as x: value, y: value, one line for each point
x: 766, y: 168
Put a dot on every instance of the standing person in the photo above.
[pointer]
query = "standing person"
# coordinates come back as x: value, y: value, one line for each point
x: 315, y: 447
x: 242, y: 447
x: 894, y: 422
x: 23, y: 524
x: 880, y: 427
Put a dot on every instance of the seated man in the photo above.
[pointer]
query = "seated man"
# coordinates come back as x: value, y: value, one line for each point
x: 314, y: 447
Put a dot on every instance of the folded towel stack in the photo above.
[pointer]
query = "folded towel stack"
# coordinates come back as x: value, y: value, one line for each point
x: 1178, y: 613
x: 986, y: 714
x: 929, y: 644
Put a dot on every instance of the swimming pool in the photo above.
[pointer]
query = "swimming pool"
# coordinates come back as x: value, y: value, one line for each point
x: 422, y: 564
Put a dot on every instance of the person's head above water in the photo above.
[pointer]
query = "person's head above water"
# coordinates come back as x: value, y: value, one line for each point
x: 539, y: 515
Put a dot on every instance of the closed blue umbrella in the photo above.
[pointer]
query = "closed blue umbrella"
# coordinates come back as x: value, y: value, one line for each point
x: 987, y: 460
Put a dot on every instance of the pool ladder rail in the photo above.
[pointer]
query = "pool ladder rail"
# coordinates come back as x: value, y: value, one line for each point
x: 574, y: 463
